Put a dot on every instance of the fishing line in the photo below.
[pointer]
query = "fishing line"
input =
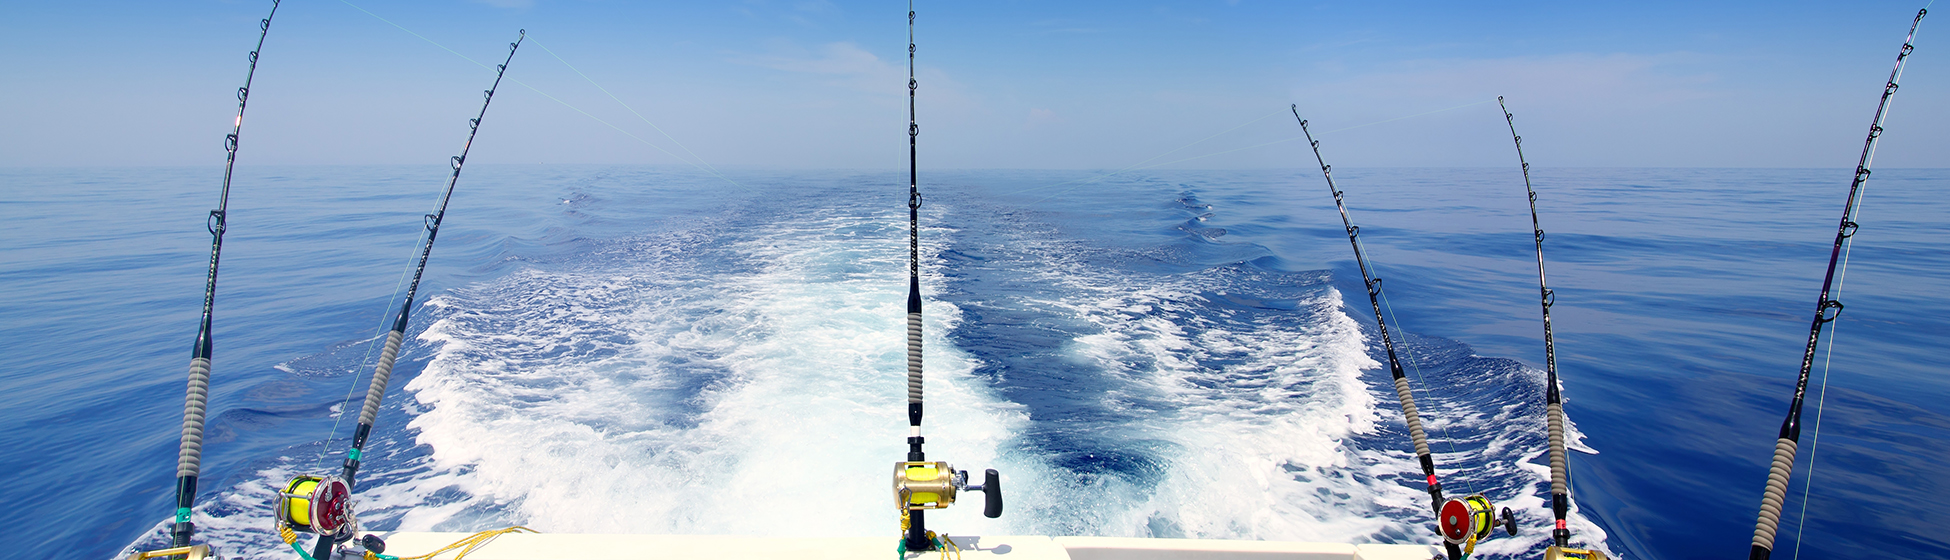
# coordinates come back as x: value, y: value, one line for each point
x: 553, y: 98
x: 639, y: 116
x: 1135, y: 167
x: 366, y: 360
x: 1410, y: 414
x: 1821, y: 398
x: 1814, y: 443
x: 1827, y: 310
x: 1409, y: 350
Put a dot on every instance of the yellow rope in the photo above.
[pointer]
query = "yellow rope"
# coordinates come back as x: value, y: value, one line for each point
x: 951, y: 545
x: 465, y: 546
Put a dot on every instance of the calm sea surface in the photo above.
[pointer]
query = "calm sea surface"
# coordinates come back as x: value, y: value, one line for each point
x: 1173, y: 354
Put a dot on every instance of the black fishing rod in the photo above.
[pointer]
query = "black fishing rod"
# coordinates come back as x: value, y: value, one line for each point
x: 1788, y: 443
x: 384, y: 372
x: 1394, y: 364
x: 338, y: 532
x: 189, y: 457
x: 920, y: 485
x: 916, y: 528
x: 377, y: 391
x: 1553, y: 406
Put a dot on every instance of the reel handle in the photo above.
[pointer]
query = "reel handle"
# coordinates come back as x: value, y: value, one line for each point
x: 1509, y: 522
x: 992, y: 494
x: 991, y: 489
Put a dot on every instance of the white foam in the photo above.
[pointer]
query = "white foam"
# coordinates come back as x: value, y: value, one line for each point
x: 551, y: 389
x: 752, y: 382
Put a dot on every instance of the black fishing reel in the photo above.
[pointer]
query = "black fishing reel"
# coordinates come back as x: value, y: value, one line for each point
x: 933, y: 485
x: 1469, y: 519
x: 313, y: 504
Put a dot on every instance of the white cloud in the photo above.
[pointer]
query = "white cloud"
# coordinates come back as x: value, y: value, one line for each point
x: 837, y: 59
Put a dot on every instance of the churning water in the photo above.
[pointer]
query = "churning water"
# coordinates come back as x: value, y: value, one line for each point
x: 1173, y: 354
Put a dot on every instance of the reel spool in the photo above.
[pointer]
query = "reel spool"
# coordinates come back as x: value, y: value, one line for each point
x: 320, y: 505
x: 1470, y: 519
x: 933, y: 485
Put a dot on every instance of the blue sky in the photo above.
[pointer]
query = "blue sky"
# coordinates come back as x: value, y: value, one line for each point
x: 1081, y: 85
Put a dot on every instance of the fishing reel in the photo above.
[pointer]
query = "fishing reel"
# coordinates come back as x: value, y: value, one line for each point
x: 933, y: 485
x: 312, y: 504
x: 1466, y: 520
x: 1561, y: 553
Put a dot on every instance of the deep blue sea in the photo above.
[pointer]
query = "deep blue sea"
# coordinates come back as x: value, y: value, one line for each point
x: 1172, y: 354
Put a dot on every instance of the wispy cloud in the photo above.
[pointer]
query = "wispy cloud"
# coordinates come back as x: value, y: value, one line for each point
x: 842, y: 64
x: 1063, y: 27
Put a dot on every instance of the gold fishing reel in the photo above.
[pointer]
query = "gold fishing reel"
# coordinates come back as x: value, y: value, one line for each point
x: 1470, y: 519
x: 933, y: 485
x: 1561, y: 553
x: 321, y: 505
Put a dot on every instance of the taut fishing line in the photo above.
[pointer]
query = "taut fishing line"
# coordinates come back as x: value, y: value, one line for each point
x: 366, y: 360
x: 713, y: 172
x: 1408, y: 349
x: 1827, y: 360
x: 633, y: 111
x: 1827, y: 310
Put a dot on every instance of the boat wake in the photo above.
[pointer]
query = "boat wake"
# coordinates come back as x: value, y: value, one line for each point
x: 743, y: 375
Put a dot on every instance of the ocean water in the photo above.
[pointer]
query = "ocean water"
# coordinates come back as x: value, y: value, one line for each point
x: 1171, y: 354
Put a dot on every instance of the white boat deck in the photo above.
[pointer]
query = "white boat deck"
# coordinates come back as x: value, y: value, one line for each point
x: 568, y: 546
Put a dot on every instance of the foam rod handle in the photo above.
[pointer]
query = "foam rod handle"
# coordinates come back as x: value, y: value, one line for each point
x: 992, y: 494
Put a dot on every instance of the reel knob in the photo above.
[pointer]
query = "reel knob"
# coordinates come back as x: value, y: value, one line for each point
x: 1509, y: 522
x: 992, y: 492
x: 373, y: 543
x: 991, y: 489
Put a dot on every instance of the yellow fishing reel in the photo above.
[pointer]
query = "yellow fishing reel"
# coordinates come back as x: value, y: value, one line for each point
x: 1470, y: 519
x: 933, y: 485
x: 321, y: 505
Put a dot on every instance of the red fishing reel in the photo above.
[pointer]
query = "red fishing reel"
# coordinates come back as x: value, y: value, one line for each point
x: 320, y: 505
x: 1470, y: 519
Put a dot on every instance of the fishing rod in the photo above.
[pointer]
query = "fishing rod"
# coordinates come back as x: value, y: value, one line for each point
x: 189, y: 455
x: 1553, y: 405
x: 920, y: 485
x: 1775, y: 496
x: 322, y: 504
x: 1462, y: 521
